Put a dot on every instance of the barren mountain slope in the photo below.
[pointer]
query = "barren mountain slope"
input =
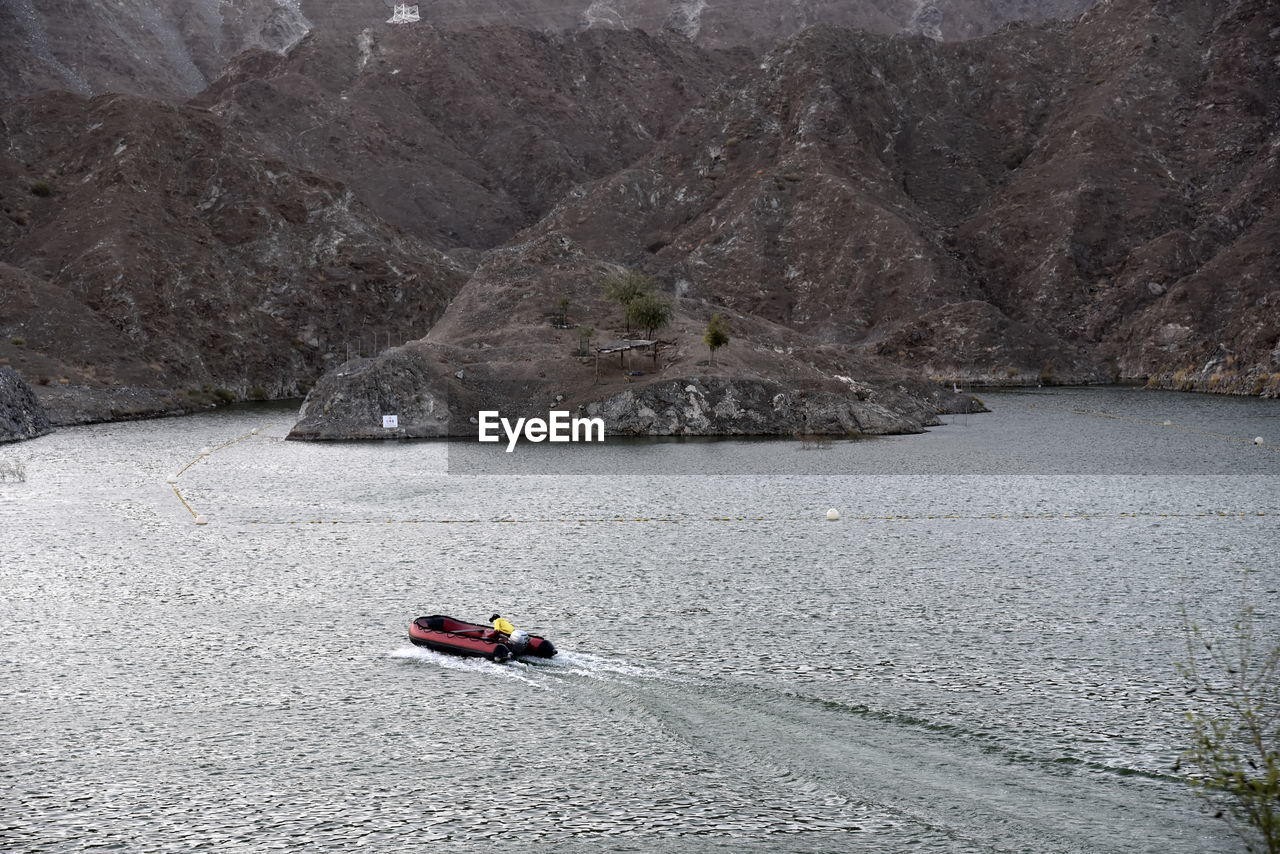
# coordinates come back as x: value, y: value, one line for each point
x: 142, y: 245
x: 173, y: 49
x: 170, y: 49
x: 715, y: 23
x: 1044, y: 203
x: 464, y: 138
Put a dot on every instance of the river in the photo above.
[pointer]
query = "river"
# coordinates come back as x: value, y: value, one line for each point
x: 979, y: 656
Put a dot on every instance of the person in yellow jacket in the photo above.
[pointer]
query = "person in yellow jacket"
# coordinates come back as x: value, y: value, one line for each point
x: 509, y: 634
x: 502, y: 627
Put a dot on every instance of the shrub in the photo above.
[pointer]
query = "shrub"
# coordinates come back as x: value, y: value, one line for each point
x: 585, y: 334
x: 717, y: 335
x: 1235, y: 731
x: 649, y: 313
x: 626, y: 287
x: 13, y: 470
x: 42, y: 189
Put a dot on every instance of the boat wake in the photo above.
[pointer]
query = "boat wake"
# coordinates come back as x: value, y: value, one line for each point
x: 566, y: 663
x: 601, y: 667
x: 513, y: 670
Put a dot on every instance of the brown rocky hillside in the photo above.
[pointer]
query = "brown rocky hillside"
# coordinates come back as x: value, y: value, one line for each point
x: 464, y: 138
x: 143, y: 246
x: 173, y: 49
x: 1081, y: 202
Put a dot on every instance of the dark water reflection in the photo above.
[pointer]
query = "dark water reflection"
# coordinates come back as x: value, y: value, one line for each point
x: 977, y: 661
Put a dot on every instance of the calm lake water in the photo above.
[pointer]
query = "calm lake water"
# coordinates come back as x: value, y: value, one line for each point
x: 978, y: 657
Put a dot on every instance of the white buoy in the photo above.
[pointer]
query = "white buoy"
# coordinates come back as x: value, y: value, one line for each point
x: 253, y: 432
x: 1258, y: 440
x: 833, y: 515
x: 1168, y: 423
x: 173, y: 478
x: 204, y: 452
x: 200, y: 520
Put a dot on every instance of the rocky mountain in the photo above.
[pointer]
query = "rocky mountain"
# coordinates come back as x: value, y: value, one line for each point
x: 1083, y: 201
x: 1057, y: 203
x: 758, y: 24
x: 464, y: 138
x: 174, y: 49
x: 152, y: 262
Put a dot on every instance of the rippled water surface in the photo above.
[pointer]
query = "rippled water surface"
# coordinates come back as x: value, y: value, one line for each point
x: 978, y: 657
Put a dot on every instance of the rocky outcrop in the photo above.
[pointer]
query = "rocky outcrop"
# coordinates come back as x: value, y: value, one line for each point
x: 351, y: 402
x: 725, y: 406
x: 501, y: 347
x: 21, y: 415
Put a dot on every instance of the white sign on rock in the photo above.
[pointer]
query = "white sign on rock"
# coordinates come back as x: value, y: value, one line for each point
x: 390, y: 422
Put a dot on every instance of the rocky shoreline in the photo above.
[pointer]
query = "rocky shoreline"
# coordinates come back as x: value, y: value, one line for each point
x: 688, y: 406
x: 21, y: 415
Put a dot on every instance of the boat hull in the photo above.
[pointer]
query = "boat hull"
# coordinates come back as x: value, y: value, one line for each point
x: 474, y: 640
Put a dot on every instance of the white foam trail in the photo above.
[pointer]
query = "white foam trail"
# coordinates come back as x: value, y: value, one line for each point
x: 600, y: 667
x: 583, y: 664
x: 515, y: 670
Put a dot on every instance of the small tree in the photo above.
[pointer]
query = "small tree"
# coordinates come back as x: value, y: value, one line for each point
x: 562, y: 309
x: 585, y: 333
x: 649, y: 313
x: 1235, y: 731
x: 717, y: 335
x: 625, y: 288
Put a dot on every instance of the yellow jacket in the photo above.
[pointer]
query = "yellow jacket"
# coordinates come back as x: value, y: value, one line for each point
x: 503, y: 626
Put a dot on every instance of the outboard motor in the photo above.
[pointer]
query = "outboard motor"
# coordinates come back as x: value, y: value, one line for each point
x: 518, y: 642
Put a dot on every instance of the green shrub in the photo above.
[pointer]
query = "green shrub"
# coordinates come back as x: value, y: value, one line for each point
x: 717, y: 335
x: 42, y: 189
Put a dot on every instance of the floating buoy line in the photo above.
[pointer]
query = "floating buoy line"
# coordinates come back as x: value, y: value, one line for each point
x: 172, y: 479
x: 832, y: 515
x: 1258, y: 441
x: 670, y: 520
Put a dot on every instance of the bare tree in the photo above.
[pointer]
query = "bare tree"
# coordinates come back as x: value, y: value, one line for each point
x: 1235, y: 729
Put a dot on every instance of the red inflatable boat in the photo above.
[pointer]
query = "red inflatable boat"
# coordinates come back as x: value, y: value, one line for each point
x: 445, y: 634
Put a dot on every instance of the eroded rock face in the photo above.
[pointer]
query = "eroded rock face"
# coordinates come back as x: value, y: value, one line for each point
x: 144, y: 246
x: 21, y: 415
x: 725, y: 406
x: 757, y: 24
x: 350, y: 402
x: 174, y: 49
x: 168, y: 50
x: 1041, y: 205
x: 464, y: 138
